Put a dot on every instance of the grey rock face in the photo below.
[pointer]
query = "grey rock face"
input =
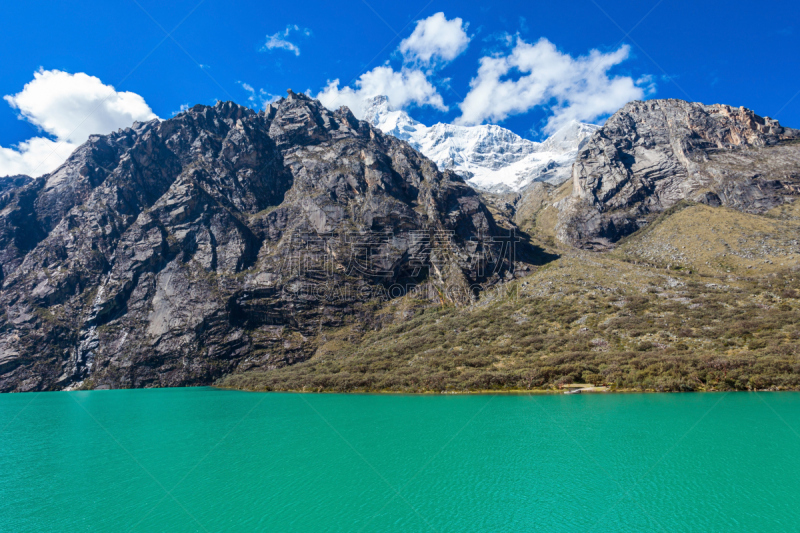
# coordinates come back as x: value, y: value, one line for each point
x: 221, y: 240
x: 19, y: 229
x: 10, y: 183
x: 650, y: 155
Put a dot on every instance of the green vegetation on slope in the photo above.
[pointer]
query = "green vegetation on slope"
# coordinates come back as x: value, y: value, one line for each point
x: 702, y: 299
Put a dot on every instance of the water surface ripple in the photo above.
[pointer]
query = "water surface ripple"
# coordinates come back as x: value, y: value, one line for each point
x: 202, y: 459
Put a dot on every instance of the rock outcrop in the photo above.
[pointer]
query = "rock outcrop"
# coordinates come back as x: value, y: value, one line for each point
x: 651, y: 155
x: 221, y: 240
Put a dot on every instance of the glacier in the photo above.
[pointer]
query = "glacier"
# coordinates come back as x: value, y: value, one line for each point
x: 489, y: 157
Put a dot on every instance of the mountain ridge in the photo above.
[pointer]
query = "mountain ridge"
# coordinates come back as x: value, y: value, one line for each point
x: 172, y: 252
x: 489, y: 157
x: 650, y: 155
x: 297, y: 248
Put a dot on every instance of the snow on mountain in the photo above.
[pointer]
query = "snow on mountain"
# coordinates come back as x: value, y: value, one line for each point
x: 488, y: 156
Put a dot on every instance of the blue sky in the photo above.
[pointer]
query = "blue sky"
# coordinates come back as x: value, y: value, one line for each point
x: 186, y: 52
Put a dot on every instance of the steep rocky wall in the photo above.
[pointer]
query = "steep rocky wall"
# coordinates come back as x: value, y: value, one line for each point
x: 223, y: 239
x: 650, y: 155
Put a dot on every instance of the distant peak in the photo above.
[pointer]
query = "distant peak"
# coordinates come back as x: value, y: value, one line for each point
x: 377, y: 104
x: 292, y: 96
x: 489, y: 156
x: 377, y: 107
x: 570, y: 135
x: 220, y: 105
x: 380, y: 100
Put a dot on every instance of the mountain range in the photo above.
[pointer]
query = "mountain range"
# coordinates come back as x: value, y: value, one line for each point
x: 489, y: 157
x: 172, y: 252
x: 298, y: 248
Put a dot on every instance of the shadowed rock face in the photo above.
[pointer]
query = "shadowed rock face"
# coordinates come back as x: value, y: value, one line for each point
x: 650, y: 155
x: 19, y: 231
x: 172, y: 252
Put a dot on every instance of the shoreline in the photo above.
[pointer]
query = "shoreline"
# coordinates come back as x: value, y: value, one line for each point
x: 487, y: 392
x: 476, y: 392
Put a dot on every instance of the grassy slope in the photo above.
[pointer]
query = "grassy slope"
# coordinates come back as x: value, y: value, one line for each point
x: 704, y: 298
x: 717, y: 240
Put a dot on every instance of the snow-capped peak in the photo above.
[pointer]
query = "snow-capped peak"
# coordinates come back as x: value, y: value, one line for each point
x: 565, y: 139
x: 489, y: 157
x: 379, y: 113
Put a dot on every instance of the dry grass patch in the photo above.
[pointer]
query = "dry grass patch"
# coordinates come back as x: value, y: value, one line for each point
x: 716, y: 240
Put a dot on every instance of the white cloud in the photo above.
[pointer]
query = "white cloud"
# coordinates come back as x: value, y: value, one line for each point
x: 258, y: 98
x: 574, y: 88
x: 73, y: 106
x: 279, y: 40
x: 69, y: 107
x: 34, y: 157
x: 404, y: 88
x: 435, y: 39
x: 647, y: 83
x: 181, y: 109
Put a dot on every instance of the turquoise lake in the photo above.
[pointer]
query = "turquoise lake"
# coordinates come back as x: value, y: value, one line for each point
x: 202, y: 459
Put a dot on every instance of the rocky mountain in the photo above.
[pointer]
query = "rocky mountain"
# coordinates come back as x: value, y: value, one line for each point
x: 650, y: 155
x: 221, y: 240
x: 489, y: 157
x: 300, y: 248
x: 704, y: 296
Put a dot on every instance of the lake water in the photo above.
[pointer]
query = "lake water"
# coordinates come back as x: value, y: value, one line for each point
x: 201, y: 459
